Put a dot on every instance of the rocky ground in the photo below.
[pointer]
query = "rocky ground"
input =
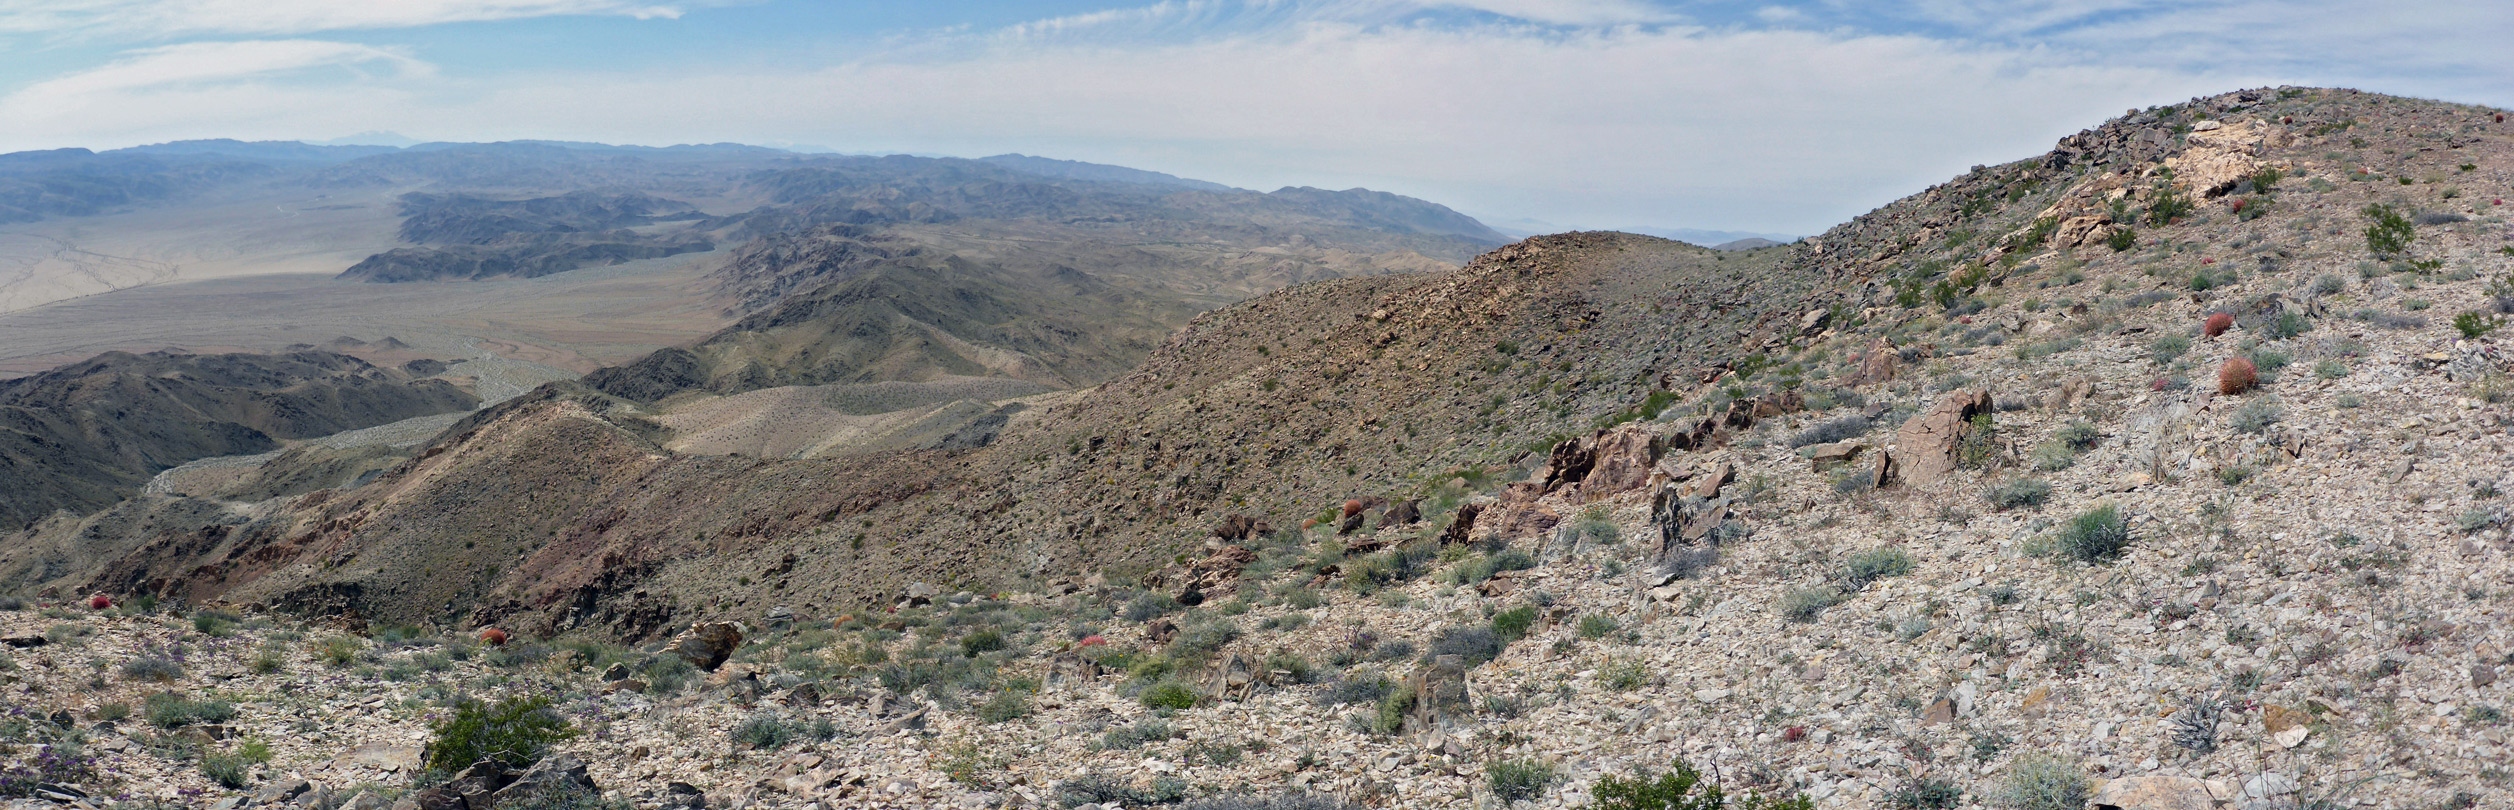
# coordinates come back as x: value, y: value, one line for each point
x: 2034, y: 528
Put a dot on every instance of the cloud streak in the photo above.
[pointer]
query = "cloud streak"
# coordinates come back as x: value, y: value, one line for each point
x: 287, y: 17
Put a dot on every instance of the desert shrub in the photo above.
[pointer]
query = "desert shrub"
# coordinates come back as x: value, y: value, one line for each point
x: 517, y: 731
x: 766, y: 731
x: 215, y: 623
x: 1007, y: 705
x: 1128, y: 738
x: 2328, y: 284
x: 1482, y: 568
x: 2255, y: 416
x: 2095, y: 536
x: 1591, y: 527
x: 666, y: 674
x: 1475, y: 645
x: 156, y: 665
x: 1148, y: 606
x: 2122, y: 239
x: 1357, y: 687
x: 2042, y: 782
x: 1169, y: 694
x: 1110, y: 791
x: 981, y: 642
x: 1302, y: 598
x: 2165, y: 350
x: 170, y: 710
x: 1596, y: 626
x: 1805, y: 604
x: 2330, y: 369
x: 1278, y: 801
x: 2025, y: 492
x: 339, y: 651
x: 2287, y: 325
x: 2474, y: 325
x: 1389, y: 716
x: 233, y: 768
x: 1624, y: 674
x: 1919, y: 793
x: 1874, y: 564
x: 2388, y: 233
x: 1833, y: 430
x: 1513, y: 624
x: 1980, y: 446
x: 1400, y: 564
x: 1519, y: 780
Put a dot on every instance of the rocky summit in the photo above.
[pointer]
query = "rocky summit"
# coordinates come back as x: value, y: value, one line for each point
x: 2167, y: 470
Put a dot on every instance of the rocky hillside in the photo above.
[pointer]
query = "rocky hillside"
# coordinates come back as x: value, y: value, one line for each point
x: 86, y: 435
x: 2161, y: 471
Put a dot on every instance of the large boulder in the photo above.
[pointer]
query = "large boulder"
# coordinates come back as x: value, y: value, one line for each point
x: 1926, y: 448
x: 2155, y: 793
x: 1217, y: 575
x: 1620, y: 462
x: 706, y: 645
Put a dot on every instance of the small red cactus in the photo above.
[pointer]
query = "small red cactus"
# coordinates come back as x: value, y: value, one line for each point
x: 1091, y: 641
x: 2238, y: 206
x: 493, y: 637
x: 99, y: 602
x: 1352, y: 507
x: 2287, y: 119
x: 1964, y: 319
x: 2236, y: 376
x: 2160, y: 384
x: 2218, y: 324
x: 1793, y: 734
x: 2500, y: 118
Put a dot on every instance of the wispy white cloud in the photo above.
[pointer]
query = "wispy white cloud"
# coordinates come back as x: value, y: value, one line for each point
x: 288, y: 17
x: 216, y: 84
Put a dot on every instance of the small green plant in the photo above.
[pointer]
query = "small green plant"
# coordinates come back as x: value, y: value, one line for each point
x: 233, y: 769
x: 1681, y: 788
x: 1624, y: 675
x: 1596, y: 626
x: 2123, y: 238
x: 1918, y: 793
x: 339, y: 651
x: 2169, y: 206
x: 2022, y: 492
x: 2475, y: 324
x: 2098, y: 535
x: 517, y: 731
x: 766, y: 731
x: 2256, y: 416
x: 170, y: 710
x: 2165, y: 350
x: 1513, y: 624
x: 2039, y: 781
x: 1007, y: 705
x: 981, y: 642
x: 1805, y: 604
x: 2390, y: 233
x: 1169, y: 695
x: 215, y: 624
x: 1874, y: 564
x: 1519, y: 780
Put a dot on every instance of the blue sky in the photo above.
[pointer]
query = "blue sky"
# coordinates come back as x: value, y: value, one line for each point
x: 1780, y: 117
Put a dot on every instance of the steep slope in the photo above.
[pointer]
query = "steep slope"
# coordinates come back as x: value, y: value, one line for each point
x: 85, y: 435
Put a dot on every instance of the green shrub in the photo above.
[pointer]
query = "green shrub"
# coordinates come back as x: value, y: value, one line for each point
x: 1805, y: 604
x: 2123, y: 238
x: 1874, y: 564
x: 981, y: 642
x: 2098, y: 535
x: 766, y: 731
x: 1596, y: 626
x: 2330, y: 369
x: 1679, y: 789
x: 1925, y: 794
x: 169, y: 710
x: 2025, y: 492
x: 2288, y: 325
x: 1389, y: 717
x: 2256, y: 416
x: 1474, y: 645
x: 2169, y: 206
x: 1110, y: 791
x: 1519, y: 780
x: 233, y: 768
x: 1513, y: 624
x: 216, y: 624
x: 517, y: 731
x: 339, y: 651
x: 1169, y: 695
x: 2390, y: 233
x: 1978, y: 446
x: 1128, y: 738
x: 2040, y: 781
x: 2165, y: 350
x: 153, y: 665
x: 666, y: 674
x: 1009, y: 704
x: 1624, y: 675
x: 2475, y: 324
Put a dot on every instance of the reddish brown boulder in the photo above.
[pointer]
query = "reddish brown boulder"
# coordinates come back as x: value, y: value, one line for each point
x: 1621, y: 460
x: 1925, y: 449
